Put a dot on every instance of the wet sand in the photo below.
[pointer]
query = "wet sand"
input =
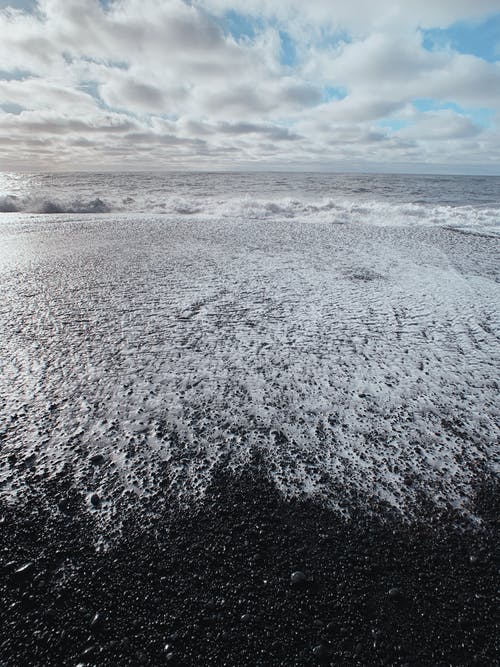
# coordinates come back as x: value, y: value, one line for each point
x: 244, y: 577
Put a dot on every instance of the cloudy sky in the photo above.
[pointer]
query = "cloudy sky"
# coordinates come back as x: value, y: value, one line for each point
x: 391, y: 85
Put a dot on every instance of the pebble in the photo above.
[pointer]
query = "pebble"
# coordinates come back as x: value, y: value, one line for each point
x: 97, y: 459
x: 50, y: 614
x: 90, y: 650
x: 63, y: 505
x: 96, y: 621
x: 24, y: 571
x: 320, y: 651
x: 298, y: 578
x: 395, y: 594
x: 95, y: 500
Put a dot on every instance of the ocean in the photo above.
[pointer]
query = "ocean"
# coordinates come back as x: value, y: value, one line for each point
x: 343, y: 326
x: 461, y: 202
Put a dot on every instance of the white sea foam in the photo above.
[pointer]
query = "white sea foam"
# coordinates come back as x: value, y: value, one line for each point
x: 471, y: 205
x: 48, y: 206
x: 358, y: 358
x: 466, y: 218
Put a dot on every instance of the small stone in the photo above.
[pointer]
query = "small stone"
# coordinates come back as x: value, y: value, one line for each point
x: 95, y: 500
x: 298, y: 579
x: 395, y: 594
x: 97, y: 459
x: 63, y: 505
x: 50, y: 615
x: 24, y: 571
x: 96, y: 622
x: 320, y: 651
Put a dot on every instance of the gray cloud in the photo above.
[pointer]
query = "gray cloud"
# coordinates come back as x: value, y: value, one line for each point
x: 134, y: 96
x: 274, y: 132
x: 151, y: 80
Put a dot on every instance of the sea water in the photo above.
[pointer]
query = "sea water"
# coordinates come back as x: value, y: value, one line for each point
x: 343, y: 326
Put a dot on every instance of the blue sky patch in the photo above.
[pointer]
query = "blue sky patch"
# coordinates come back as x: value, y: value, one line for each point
x: 481, y: 39
x: 288, y: 51
x: 241, y: 26
x: 480, y: 116
x: 393, y: 124
x: 14, y: 75
x: 427, y: 104
x: 25, y: 5
x: 334, y: 93
x: 91, y: 88
x: 10, y: 107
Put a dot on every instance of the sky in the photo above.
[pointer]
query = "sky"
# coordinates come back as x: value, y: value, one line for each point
x: 329, y: 85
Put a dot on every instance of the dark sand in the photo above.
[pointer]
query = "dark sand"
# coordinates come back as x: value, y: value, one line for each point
x: 211, y: 585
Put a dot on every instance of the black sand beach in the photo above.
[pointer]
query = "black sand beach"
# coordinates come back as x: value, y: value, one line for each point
x: 249, y: 438
x: 245, y: 578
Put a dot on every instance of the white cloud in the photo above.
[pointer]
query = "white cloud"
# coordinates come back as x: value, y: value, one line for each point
x: 166, y: 81
x: 359, y: 15
x: 440, y: 125
x: 39, y: 94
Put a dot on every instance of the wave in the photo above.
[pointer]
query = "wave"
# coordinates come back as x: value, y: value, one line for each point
x: 467, y: 218
x: 14, y: 204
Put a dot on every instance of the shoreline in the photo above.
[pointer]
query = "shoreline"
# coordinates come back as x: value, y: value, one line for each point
x: 212, y: 584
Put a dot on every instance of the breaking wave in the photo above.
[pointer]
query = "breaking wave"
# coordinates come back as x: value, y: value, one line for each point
x: 466, y: 218
x: 14, y: 204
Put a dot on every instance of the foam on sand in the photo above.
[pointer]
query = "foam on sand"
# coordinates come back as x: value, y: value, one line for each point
x: 359, y: 359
